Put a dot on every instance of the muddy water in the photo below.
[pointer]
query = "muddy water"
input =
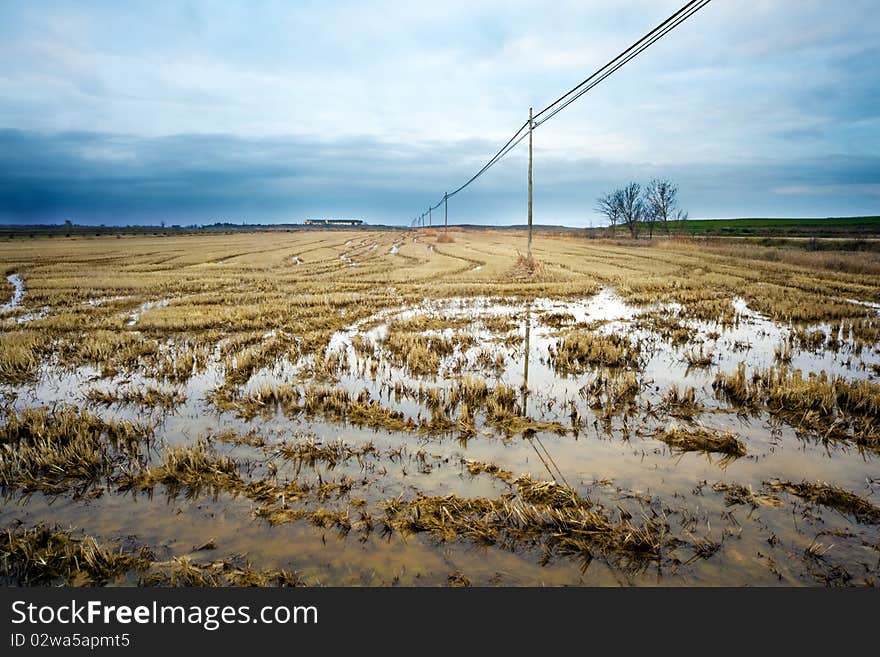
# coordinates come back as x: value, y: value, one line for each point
x: 617, y: 464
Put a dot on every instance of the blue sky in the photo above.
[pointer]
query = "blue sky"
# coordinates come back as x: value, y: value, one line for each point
x: 258, y: 111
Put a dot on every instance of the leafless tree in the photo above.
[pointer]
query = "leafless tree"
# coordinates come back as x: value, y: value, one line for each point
x: 632, y: 209
x: 660, y: 203
x: 610, y: 205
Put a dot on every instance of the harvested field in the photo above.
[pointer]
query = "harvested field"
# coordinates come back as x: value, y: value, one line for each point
x: 420, y: 408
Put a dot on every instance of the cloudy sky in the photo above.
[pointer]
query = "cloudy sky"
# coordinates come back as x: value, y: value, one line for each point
x: 195, y: 112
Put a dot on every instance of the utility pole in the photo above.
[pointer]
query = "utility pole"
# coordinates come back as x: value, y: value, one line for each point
x: 429, y: 217
x: 445, y: 212
x: 530, y: 185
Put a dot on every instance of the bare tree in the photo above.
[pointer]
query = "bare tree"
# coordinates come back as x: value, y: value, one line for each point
x: 610, y: 206
x: 632, y: 209
x: 660, y: 203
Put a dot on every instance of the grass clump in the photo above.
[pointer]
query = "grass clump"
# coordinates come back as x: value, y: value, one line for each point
x: 738, y: 494
x: 478, y: 467
x: 149, y: 396
x: 681, y: 403
x: 183, y: 571
x: 557, y: 319
x: 420, y: 354
x: 702, y: 439
x: 110, y: 350
x: 526, y: 268
x: 312, y: 451
x: 181, y: 362
x: 610, y: 393
x: 45, y: 556
x: 239, y: 367
x: 250, y: 439
x: 832, y: 497
x: 698, y: 358
x: 52, y: 451
x: 667, y: 325
x: 193, y: 468
x: 337, y: 404
x: 20, y: 355
x: 577, y: 351
x: 830, y: 408
x: 545, y: 515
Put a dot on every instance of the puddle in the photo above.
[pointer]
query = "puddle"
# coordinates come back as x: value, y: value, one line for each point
x: 100, y: 301
x: 867, y: 304
x: 752, y: 340
x: 33, y: 315
x: 144, y: 307
x: 17, y: 293
x: 505, y: 341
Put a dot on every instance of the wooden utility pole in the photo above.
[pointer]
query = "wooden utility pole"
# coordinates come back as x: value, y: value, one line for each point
x: 530, y: 185
x: 429, y: 216
x: 445, y: 212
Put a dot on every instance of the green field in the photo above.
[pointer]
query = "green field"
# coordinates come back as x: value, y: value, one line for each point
x: 828, y: 227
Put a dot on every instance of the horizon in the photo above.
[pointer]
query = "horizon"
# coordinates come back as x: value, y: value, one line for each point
x: 301, y: 223
x: 273, y: 114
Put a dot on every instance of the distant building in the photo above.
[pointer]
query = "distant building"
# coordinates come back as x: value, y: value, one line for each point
x: 333, y: 222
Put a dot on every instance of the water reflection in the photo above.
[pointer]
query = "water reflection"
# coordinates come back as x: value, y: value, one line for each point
x: 530, y: 434
x: 524, y: 389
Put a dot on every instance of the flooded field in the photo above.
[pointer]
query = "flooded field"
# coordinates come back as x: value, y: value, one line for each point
x: 420, y: 408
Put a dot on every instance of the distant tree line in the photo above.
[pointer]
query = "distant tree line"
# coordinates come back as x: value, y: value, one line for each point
x: 636, y: 209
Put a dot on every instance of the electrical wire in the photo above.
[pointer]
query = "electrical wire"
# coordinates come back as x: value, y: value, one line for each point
x: 566, y: 99
x: 617, y: 66
x: 674, y: 17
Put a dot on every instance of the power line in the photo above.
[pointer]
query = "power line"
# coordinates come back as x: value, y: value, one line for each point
x: 625, y: 56
x: 619, y: 64
x: 494, y: 159
x: 674, y: 17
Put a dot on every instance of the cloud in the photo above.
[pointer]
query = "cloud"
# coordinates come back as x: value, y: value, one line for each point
x: 119, y: 179
x: 851, y: 189
x: 277, y: 109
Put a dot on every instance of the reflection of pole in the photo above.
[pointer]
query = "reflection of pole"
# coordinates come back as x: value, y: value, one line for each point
x: 549, y: 458
x: 530, y: 434
x: 530, y: 185
x: 525, y: 384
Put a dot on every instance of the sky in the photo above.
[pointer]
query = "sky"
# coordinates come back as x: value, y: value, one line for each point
x: 196, y: 112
